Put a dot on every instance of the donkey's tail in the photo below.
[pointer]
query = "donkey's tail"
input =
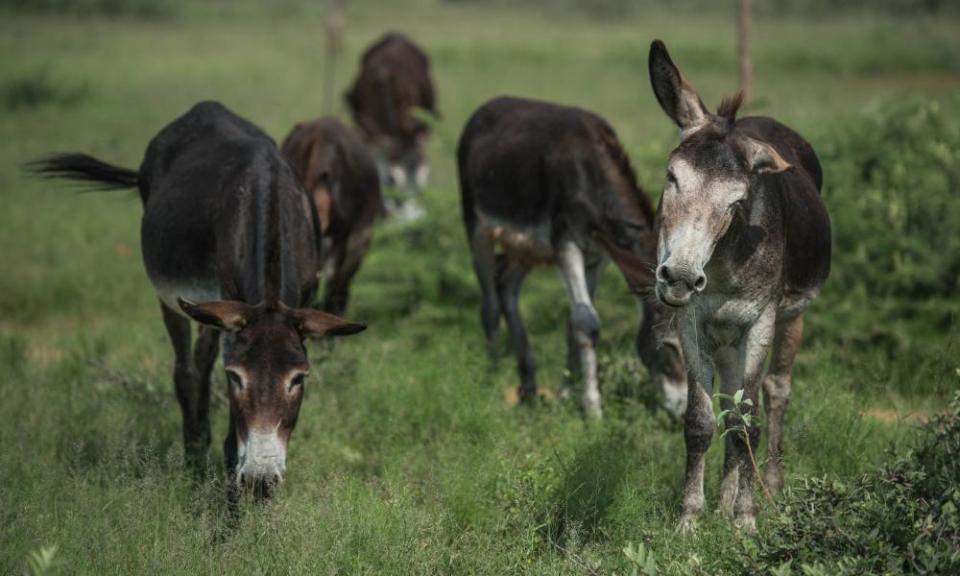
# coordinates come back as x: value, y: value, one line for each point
x: 92, y: 173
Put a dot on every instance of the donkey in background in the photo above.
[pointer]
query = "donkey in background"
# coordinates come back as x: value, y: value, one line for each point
x: 394, y: 80
x: 550, y: 184
x: 226, y: 224
x: 340, y: 174
x: 743, y: 248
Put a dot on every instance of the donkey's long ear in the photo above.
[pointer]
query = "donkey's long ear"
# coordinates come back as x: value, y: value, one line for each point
x: 227, y: 315
x: 316, y: 324
x: 763, y: 158
x: 676, y: 96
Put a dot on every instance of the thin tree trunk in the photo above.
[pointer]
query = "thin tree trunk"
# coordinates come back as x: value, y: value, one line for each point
x: 334, y: 44
x: 743, y: 51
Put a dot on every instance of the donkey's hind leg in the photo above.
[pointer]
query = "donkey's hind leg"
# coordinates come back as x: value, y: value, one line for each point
x: 573, y: 372
x: 776, y: 392
x: 347, y: 260
x: 510, y: 278
x: 184, y: 380
x: 583, y: 320
x: 485, y: 267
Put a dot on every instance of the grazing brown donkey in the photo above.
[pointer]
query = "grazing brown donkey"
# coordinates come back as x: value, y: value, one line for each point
x: 339, y: 173
x: 231, y: 240
x: 550, y: 184
x: 743, y: 248
x: 394, y: 79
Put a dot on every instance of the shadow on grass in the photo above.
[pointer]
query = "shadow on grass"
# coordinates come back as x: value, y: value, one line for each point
x: 590, y: 482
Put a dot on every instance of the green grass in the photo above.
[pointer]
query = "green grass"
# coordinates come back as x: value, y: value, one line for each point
x: 407, y: 459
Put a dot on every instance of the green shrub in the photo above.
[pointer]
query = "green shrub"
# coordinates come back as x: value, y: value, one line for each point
x: 892, y: 186
x: 892, y: 182
x: 904, y: 518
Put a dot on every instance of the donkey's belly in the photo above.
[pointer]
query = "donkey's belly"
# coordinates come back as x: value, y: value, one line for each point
x: 179, y: 253
x: 527, y: 245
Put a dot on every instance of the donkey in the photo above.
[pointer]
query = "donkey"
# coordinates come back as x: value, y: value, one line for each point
x: 340, y: 174
x: 743, y: 248
x: 231, y: 240
x: 551, y: 184
x: 394, y: 79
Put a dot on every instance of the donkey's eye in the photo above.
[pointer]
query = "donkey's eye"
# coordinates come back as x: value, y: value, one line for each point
x: 298, y: 380
x: 671, y: 179
x: 234, y: 379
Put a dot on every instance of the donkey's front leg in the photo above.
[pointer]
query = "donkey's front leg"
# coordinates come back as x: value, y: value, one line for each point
x: 699, y: 424
x: 754, y: 348
x: 185, y: 384
x: 205, y: 356
x: 730, y: 368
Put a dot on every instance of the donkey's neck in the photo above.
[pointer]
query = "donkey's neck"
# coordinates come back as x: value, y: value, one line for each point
x: 258, y: 266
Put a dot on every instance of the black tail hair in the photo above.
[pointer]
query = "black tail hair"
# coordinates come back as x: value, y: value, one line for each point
x: 95, y: 174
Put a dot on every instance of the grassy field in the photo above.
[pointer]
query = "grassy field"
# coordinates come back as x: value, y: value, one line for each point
x: 408, y: 459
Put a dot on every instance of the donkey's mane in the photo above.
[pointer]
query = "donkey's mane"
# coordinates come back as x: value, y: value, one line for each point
x: 729, y: 106
x: 619, y: 156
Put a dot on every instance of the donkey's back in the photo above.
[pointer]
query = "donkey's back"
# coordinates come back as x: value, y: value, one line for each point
x: 210, y: 180
x: 531, y: 162
x: 201, y: 145
x: 806, y: 223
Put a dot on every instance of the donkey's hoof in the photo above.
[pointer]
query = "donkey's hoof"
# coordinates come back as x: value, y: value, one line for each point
x: 773, y: 478
x: 687, y: 524
x: 528, y: 397
x: 593, y: 412
x: 729, y: 489
x: 746, y: 522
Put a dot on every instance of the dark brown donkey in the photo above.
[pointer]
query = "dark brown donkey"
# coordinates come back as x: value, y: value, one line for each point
x: 231, y: 240
x: 394, y: 79
x: 550, y: 184
x: 339, y: 173
x: 743, y: 248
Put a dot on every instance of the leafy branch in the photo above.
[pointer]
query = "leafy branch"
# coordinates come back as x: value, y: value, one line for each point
x: 744, y: 420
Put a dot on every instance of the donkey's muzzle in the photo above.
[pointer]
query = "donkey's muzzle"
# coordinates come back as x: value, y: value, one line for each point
x: 677, y: 284
x: 262, y: 462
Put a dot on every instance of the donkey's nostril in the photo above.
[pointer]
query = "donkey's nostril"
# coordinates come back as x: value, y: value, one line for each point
x: 700, y: 283
x: 663, y: 274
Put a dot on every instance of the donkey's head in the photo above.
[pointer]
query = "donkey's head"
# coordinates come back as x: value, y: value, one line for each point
x: 710, y: 176
x: 266, y: 364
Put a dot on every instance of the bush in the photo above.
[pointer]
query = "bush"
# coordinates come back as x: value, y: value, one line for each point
x: 892, y: 186
x: 892, y: 182
x: 901, y: 519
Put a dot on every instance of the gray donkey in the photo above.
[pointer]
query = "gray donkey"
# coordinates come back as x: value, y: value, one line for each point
x: 743, y: 247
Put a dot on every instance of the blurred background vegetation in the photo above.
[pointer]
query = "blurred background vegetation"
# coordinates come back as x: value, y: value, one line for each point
x: 407, y: 457
x: 599, y: 9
